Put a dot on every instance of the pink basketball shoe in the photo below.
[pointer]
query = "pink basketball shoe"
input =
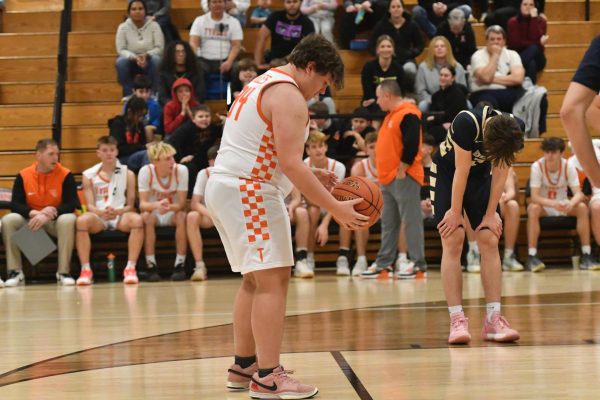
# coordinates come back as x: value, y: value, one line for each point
x: 278, y: 385
x: 498, y: 330
x: 239, y: 378
x: 459, y: 329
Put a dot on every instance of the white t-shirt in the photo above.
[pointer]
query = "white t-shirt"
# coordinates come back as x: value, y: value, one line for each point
x: 332, y: 165
x: 201, y: 180
x: 553, y: 185
x: 481, y: 58
x: 215, y: 43
x: 163, y: 188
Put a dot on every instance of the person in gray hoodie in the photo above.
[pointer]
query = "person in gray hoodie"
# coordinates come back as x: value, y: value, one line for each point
x: 140, y: 43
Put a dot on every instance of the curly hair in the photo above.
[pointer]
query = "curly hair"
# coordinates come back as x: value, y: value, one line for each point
x: 167, y: 64
x: 552, y: 144
x: 502, y: 139
x: 315, y: 48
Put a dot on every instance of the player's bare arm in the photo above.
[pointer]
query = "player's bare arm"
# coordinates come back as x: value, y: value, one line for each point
x: 88, y: 193
x: 181, y: 201
x: 146, y: 204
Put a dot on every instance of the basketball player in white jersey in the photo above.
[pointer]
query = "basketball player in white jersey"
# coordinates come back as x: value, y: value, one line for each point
x: 259, y: 161
x: 316, y: 149
x: 199, y: 217
x: 163, y: 186
x: 365, y: 168
x: 109, y: 190
x: 549, y: 181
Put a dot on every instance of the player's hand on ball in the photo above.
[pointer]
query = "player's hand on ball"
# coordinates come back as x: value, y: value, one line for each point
x: 449, y: 223
x: 347, y: 216
x: 493, y: 222
x: 327, y: 178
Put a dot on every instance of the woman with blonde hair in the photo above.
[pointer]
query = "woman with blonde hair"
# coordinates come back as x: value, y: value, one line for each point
x: 438, y: 55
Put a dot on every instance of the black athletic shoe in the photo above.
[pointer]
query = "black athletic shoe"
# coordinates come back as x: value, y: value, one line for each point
x: 179, y: 273
x: 152, y: 274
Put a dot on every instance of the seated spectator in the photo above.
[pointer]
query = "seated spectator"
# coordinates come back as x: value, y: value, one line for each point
x: 383, y: 67
x: 429, y: 14
x: 179, y: 61
x: 247, y: 70
x: 128, y: 129
x: 527, y: 36
x: 235, y: 8
x: 260, y: 13
x: 159, y: 10
x: 321, y: 13
x: 318, y: 121
x: 511, y: 216
x: 44, y: 196
x: 497, y: 73
x: 142, y: 88
x: 549, y: 181
x: 408, y: 41
x: 439, y: 55
x: 352, y: 140
x: 199, y: 217
x: 285, y: 28
x: 447, y: 102
x: 109, y: 191
x: 368, y: 169
x: 179, y: 108
x: 359, y: 16
x: 216, y: 38
x: 298, y: 214
x: 504, y: 10
x: 459, y: 33
x: 140, y: 45
x: 193, y: 139
x: 325, y: 98
x: 316, y: 149
x: 163, y: 187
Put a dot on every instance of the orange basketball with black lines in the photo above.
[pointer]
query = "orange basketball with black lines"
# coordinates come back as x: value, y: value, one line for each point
x: 354, y: 187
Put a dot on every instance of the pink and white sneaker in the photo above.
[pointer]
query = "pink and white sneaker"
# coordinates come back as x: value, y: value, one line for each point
x: 498, y: 330
x: 130, y: 276
x: 85, y: 277
x: 278, y: 385
x: 239, y: 378
x: 459, y: 329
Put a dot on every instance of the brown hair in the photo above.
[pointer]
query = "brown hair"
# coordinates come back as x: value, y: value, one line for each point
x: 502, y: 139
x: 43, y: 143
x: 318, y: 108
x: 106, y: 140
x: 552, y: 144
x: 246, y: 64
x: 371, y: 137
x: 200, y: 107
x: 325, y: 56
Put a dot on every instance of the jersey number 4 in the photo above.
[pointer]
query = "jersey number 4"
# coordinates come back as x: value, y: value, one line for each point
x: 240, y: 101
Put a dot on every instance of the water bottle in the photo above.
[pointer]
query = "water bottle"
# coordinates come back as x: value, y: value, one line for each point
x: 360, y: 15
x: 110, y: 264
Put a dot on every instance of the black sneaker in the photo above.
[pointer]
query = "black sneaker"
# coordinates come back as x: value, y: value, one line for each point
x: 588, y: 263
x: 152, y: 273
x: 179, y: 273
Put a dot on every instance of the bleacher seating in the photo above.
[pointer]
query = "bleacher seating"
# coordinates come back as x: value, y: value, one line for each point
x: 28, y: 70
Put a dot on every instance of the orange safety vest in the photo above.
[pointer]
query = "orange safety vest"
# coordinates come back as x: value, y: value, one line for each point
x: 390, y: 147
x: 43, y: 190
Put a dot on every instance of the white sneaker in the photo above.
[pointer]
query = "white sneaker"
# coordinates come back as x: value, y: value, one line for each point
x: 65, y: 279
x: 310, y: 259
x: 15, y: 279
x: 473, y: 262
x: 342, y: 266
x: 360, y: 266
x: 1, y: 283
x: 200, y: 273
x: 405, y: 269
x: 303, y: 269
x: 511, y: 263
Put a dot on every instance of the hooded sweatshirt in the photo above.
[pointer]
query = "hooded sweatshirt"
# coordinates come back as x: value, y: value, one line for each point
x: 172, y: 111
x: 132, y: 41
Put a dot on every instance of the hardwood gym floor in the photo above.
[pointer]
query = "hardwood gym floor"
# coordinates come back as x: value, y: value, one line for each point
x: 354, y: 339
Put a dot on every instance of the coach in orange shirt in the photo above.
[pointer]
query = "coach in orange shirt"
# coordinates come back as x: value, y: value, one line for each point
x: 44, y: 196
x: 401, y: 176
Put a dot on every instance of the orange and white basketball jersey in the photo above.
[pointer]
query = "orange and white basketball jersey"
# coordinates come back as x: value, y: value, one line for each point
x: 332, y: 165
x: 248, y: 147
x: 370, y: 170
x: 553, y: 185
x: 108, y: 191
x: 163, y: 188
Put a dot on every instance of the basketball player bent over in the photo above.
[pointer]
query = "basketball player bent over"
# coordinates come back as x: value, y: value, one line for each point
x: 478, y: 142
x: 259, y: 161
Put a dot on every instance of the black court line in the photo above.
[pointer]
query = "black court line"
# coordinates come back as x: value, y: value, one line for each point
x: 360, y: 389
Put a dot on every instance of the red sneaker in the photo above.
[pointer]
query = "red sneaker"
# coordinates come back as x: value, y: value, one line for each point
x: 130, y: 276
x: 85, y: 277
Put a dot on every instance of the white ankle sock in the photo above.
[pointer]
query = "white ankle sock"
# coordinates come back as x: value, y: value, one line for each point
x: 508, y: 253
x: 491, y: 309
x: 199, y: 264
x: 85, y: 266
x: 151, y: 259
x: 473, y: 246
x: 586, y: 249
x: 179, y: 259
x: 455, y: 309
x: 532, y: 251
x: 402, y: 257
x: 131, y: 264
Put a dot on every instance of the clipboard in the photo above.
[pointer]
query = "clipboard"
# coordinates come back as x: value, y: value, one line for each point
x: 34, y: 245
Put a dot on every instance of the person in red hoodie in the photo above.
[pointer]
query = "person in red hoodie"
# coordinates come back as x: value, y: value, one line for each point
x: 527, y: 36
x: 179, y: 108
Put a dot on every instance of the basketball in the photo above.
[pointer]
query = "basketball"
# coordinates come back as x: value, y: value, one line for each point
x: 357, y: 186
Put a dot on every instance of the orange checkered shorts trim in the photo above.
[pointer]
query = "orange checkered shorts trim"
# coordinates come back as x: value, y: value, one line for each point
x: 266, y: 160
x: 254, y: 211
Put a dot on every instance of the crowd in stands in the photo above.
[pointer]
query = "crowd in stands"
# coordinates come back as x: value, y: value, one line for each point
x: 168, y: 136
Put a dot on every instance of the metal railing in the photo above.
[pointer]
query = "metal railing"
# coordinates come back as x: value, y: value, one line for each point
x: 61, y: 76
